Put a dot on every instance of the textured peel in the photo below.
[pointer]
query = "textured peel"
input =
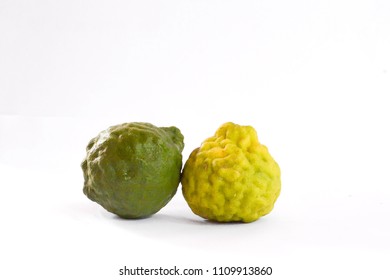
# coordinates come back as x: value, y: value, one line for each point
x: 133, y: 169
x: 231, y: 176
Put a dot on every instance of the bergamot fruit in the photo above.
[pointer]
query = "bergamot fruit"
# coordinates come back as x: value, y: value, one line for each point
x: 133, y: 169
x: 231, y: 177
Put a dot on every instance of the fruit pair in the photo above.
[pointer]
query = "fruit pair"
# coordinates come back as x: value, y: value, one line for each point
x: 134, y: 169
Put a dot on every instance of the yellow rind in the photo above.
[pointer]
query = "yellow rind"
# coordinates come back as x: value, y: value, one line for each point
x: 231, y: 177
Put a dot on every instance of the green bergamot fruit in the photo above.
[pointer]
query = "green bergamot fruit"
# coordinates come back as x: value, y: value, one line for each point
x: 133, y: 169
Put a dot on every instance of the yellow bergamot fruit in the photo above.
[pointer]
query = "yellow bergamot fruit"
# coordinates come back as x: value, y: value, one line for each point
x: 231, y: 177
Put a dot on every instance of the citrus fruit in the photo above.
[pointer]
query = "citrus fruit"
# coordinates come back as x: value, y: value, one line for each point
x: 231, y: 177
x: 133, y: 169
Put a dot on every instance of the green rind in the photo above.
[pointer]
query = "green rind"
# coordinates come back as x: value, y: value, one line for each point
x: 133, y: 169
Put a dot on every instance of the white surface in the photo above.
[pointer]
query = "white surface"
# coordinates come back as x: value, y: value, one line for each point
x: 312, y: 78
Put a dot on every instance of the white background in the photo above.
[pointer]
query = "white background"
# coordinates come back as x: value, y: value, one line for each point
x: 313, y: 78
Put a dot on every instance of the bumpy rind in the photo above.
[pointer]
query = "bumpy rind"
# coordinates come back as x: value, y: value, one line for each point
x: 133, y: 169
x: 231, y: 177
